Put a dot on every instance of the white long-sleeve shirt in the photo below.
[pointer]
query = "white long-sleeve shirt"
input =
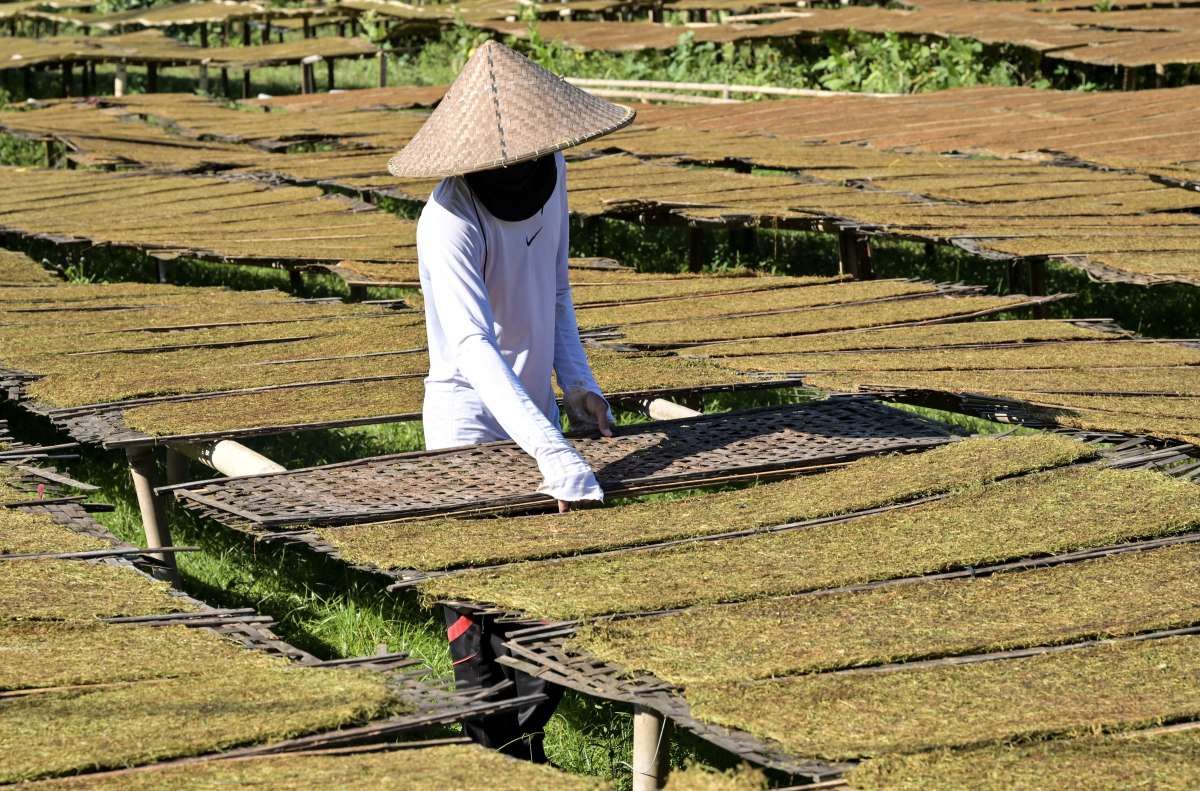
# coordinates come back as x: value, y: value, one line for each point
x: 500, y: 320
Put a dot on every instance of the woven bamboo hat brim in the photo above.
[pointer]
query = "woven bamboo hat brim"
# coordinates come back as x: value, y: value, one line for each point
x: 504, y: 108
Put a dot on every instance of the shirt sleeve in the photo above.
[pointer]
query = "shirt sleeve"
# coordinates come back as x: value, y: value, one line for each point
x: 454, y: 254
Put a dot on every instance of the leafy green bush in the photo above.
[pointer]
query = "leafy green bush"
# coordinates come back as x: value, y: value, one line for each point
x: 890, y: 63
x: 851, y: 62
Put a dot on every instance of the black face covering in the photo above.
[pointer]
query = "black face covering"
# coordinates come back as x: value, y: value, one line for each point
x: 516, y: 192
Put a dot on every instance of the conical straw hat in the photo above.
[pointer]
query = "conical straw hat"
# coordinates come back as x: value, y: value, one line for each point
x: 504, y: 108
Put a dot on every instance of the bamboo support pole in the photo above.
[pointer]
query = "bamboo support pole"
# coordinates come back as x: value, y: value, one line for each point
x: 246, y: 71
x: 382, y: 68
x: 329, y: 75
x: 308, y: 81
x: 154, y: 524
x: 121, y: 79
x: 1128, y: 78
x: 854, y: 254
x: 1037, y: 286
x: 225, y: 71
x: 177, y: 466
x: 695, y: 255
x: 651, y: 749
x: 67, y: 78
x: 266, y: 30
x: 714, y: 87
x: 202, y: 77
x: 151, y: 78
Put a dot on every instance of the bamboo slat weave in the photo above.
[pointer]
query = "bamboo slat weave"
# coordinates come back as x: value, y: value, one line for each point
x: 664, y: 455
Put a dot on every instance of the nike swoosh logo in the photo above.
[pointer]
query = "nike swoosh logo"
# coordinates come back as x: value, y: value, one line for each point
x: 529, y: 239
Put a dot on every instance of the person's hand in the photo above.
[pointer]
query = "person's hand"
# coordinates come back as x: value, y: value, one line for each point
x: 597, y: 408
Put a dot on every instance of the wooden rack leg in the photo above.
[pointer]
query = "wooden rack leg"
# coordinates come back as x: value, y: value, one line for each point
x: 695, y: 253
x: 225, y: 72
x: 382, y: 68
x: 177, y: 467
x: 121, y: 80
x: 141, y: 468
x: 651, y: 749
x: 854, y: 254
x: 1037, y: 286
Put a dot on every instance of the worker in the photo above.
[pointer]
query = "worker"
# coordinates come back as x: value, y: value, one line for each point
x: 492, y: 247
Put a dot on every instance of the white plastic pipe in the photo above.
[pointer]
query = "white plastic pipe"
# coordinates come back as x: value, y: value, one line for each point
x: 229, y: 458
x: 662, y: 409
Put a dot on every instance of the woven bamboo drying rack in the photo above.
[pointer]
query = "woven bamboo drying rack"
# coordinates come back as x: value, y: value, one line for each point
x: 104, y: 424
x: 848, y: 207
x: 429, y: 704
x: 754, y: 444
x: 542, y: 649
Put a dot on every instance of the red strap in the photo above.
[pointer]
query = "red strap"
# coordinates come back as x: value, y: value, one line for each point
x: 458, y: 628
x: 458, y: 662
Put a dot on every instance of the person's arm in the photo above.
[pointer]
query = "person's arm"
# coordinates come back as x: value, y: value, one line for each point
x: 585, y: 402
x: 453, y: 255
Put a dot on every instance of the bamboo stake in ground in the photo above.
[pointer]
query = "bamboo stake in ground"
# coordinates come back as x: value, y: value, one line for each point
x: 651, y: 749
x: 158, y: 534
